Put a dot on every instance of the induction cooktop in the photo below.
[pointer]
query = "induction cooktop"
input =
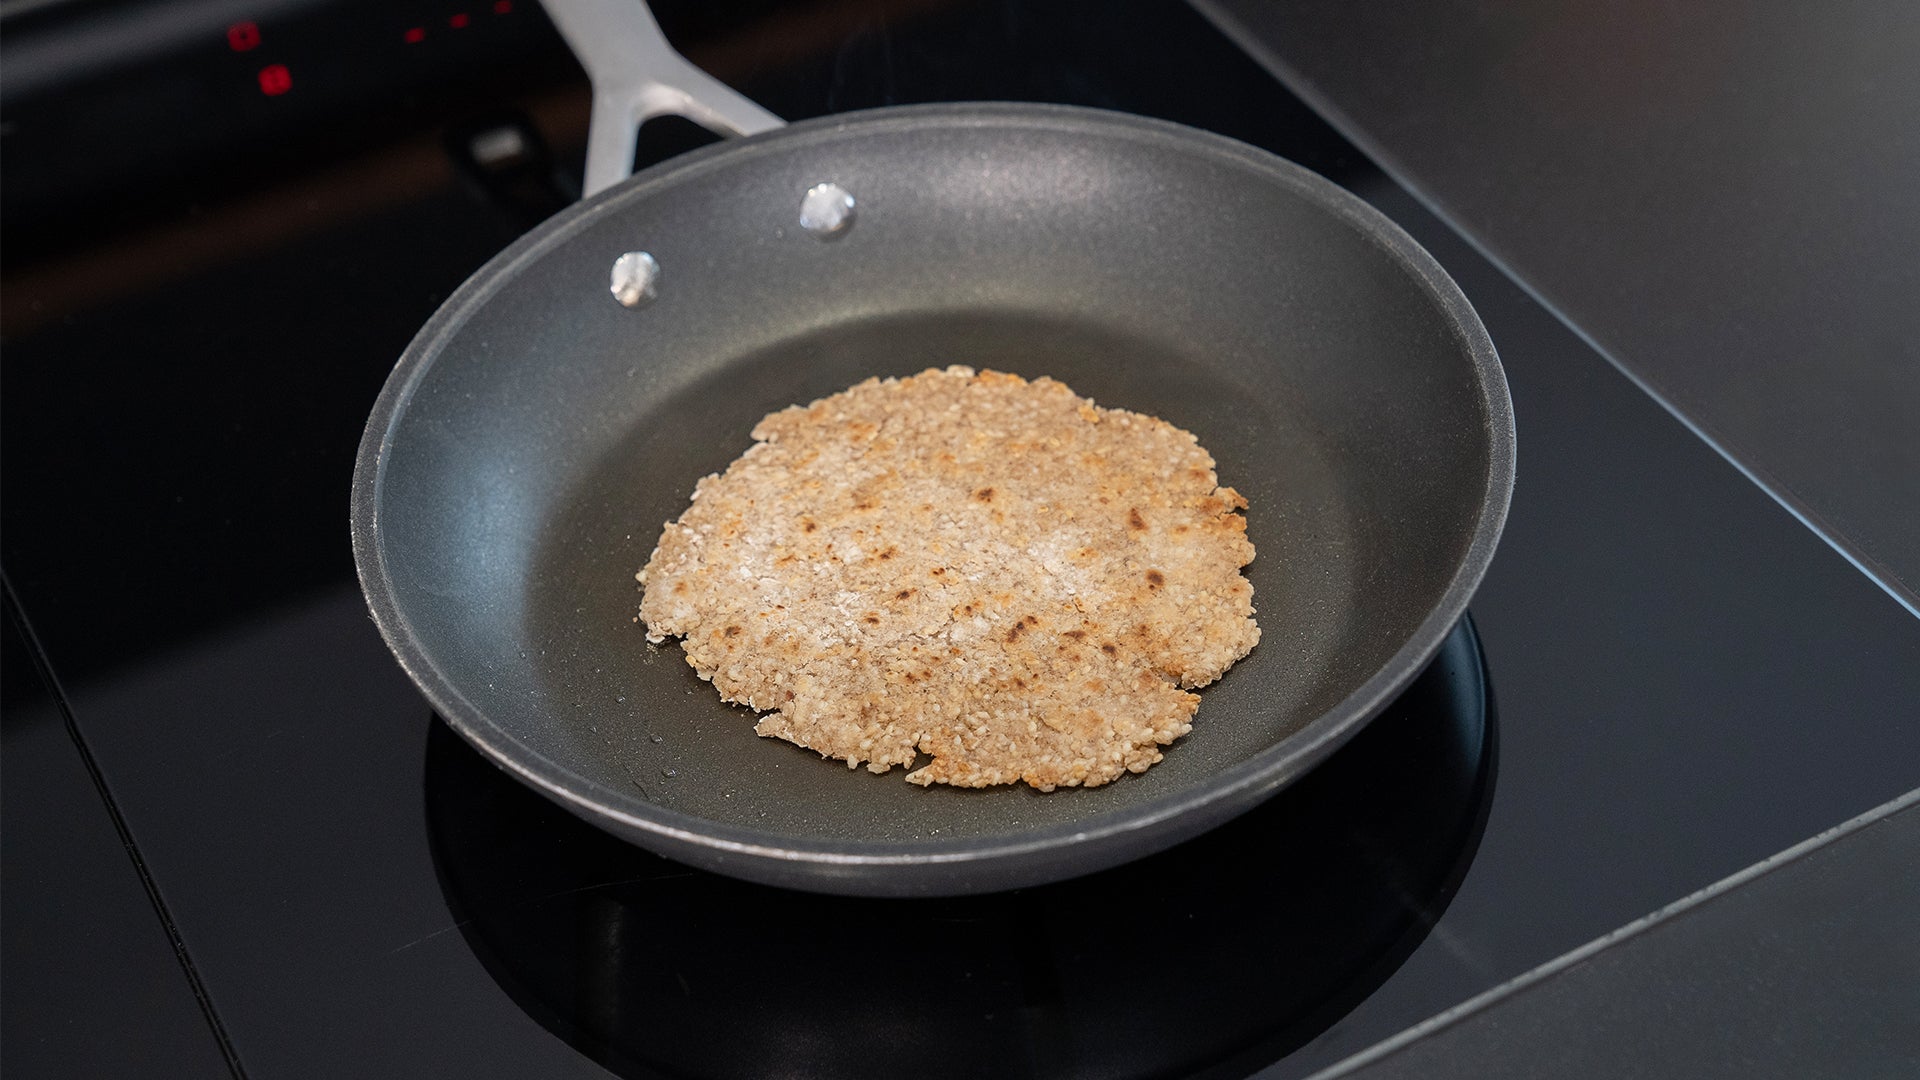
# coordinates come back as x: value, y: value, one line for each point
x: 238, y: 840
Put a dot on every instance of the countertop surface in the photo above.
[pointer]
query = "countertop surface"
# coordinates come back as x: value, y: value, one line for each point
x: 1720, y: 197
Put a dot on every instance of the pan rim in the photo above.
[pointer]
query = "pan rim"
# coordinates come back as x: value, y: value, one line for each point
x: 1236, y: 788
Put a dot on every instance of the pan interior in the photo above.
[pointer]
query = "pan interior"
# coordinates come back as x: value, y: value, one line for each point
x: 548, y: 433
x: 652, y: 726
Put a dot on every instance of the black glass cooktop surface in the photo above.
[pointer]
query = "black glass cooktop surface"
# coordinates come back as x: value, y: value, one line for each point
x: 235, y: 833
x: 644, y: 964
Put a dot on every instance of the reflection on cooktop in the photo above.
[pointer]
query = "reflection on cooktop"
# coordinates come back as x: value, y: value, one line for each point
x: 1218, y: 955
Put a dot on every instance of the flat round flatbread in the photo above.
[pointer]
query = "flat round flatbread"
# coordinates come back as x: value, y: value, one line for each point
x: 986, y: 570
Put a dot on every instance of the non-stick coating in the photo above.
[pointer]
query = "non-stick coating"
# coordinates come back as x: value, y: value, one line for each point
x: 536, y: 435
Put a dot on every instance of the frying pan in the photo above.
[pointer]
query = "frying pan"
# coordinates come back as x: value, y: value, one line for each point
x: 520, y: 461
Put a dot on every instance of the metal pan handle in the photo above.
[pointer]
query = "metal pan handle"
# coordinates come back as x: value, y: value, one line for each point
x: 636, y: 76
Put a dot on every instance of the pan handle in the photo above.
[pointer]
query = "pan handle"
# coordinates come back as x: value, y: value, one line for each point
x: 637, y: 76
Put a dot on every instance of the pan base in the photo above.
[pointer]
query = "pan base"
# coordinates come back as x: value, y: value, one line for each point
x: 642, y: 720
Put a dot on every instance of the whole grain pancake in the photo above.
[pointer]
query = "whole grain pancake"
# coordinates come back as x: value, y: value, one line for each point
x: 991, y: 571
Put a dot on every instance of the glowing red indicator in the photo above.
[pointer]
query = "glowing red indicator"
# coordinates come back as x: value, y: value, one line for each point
x: 459, y: 21
x: 275, y: 80
x: 502, y: 7
x: 414, y: 35
x: 243, y: 36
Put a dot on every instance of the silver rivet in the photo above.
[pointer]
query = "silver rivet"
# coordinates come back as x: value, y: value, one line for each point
x: 636, y: 278
x: 826, y: 210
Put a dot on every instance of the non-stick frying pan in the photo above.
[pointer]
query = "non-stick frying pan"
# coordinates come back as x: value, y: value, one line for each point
x: 536, y: 434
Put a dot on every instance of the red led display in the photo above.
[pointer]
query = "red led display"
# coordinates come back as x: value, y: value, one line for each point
x: 414, y: 35
x: 243, y: 36
x: 502, y: 7
x: 458, y: 21
x: 275, y: 80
